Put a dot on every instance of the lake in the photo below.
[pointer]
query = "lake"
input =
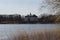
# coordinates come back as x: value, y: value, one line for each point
x: 8, y: 30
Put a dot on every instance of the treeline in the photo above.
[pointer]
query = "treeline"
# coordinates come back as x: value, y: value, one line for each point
x: 18, y: 19
x: 50, y: 19
x: 10, y: 19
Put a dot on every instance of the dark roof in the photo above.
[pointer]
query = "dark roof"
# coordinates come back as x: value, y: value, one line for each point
x: 31, y: 15
x: 34, y: 15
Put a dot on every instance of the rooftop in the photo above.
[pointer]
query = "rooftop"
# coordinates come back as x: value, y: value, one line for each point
x: 30, y: 15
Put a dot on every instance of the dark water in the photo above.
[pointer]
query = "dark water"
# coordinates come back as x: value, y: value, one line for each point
x: 6, y: 30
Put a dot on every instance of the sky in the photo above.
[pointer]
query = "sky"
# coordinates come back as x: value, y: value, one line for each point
x: 22, y: 7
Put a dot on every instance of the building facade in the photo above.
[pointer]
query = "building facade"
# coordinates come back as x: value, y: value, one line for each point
x: 31, y: 18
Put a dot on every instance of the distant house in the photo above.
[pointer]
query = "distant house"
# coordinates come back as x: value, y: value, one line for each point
x: 31, y: 18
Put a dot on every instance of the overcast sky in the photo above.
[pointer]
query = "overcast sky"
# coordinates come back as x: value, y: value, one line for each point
x: 19, y: 6
x: 24, y: 7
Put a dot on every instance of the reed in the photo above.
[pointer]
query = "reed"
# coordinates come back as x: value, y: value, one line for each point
x: 39, y: 35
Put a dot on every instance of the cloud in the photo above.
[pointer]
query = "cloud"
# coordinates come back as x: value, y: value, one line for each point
x: 20, y: 6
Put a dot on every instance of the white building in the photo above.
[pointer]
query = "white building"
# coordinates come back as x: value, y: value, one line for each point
x: 31, y: 18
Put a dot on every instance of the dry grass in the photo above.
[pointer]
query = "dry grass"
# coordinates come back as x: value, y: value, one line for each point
x: 39, y: 35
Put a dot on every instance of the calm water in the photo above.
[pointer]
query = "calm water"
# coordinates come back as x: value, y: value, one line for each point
x: 6, y: 30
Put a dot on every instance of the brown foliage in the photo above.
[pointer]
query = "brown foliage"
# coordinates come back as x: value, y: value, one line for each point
x: 40, y: 35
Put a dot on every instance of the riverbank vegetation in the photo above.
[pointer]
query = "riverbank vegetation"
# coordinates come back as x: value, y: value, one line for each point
x: 39, y: 35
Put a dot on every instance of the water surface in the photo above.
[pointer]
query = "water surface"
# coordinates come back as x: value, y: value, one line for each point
x: 8, y: 30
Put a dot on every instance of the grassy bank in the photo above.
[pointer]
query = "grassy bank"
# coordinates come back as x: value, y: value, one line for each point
x: 39, y: 35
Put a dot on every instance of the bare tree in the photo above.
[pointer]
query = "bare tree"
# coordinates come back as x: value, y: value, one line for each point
x: 50, y: 6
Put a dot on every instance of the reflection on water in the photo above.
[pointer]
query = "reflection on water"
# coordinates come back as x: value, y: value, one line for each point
x: 8, y: 30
